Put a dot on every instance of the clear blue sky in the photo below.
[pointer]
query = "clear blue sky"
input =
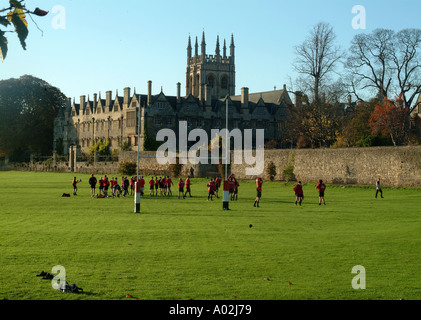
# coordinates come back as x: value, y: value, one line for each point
x: 110, y: 45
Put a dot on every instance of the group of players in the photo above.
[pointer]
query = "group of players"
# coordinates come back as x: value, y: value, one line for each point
x: 162, y: 187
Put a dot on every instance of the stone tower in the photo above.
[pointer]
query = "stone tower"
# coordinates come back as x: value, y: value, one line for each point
x: 210, y: 76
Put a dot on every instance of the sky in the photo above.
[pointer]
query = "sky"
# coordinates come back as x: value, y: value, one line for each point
x: 92, y: 46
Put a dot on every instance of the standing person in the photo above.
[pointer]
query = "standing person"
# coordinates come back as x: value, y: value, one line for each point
x: 379, y: 188
x: 259, y: 184
x: 156, y: 186
x: 169, y: 184
x: 187, y: 184
x: 92, y: 182
x: 101, y: 185
x: 211, y: 189
x: 112, y: 185
x: 151, y: 187
x: 132, y: 181
x: 142, y: 185
x: 299, y: 193
x: 161, y: 185
x: 106, y: 185
x: 126, y: 186
x: 217, y: 186
x: 181, y: 188
x: 231, y: 187
x: 74, y: 184
x: 236, y: 185
x: 321, y: 187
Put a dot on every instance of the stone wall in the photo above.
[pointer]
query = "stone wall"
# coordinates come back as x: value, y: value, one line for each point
x: 396, y: 166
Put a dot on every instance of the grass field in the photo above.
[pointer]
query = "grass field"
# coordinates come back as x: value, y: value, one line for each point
x: 192, y: 249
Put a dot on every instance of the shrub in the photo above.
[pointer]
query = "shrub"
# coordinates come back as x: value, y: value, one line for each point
x: 127, y: 168
x: 176, y: 168
x: 288, y: 171
x: 271, y: 170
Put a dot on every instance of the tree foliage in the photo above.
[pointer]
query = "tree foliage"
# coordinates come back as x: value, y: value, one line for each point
x: 15, y: 16
x: 388, y: 119
x: 28, y: 107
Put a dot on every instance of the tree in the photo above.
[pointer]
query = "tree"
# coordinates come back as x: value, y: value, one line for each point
x: 313, y: 124
x: 28, y: 107
x: 15, y: 15
x: 317, y: 57
x: 388, y: 119
x: 369, y: 61
x: 388, y: 63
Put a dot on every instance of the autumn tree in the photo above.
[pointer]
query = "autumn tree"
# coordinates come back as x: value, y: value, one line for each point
x: 14, y: 16
x: 388, y: 119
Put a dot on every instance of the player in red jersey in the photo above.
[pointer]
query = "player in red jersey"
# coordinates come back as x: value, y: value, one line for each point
x: 259, y: 184
x: 151, y: 187
x: 181, y: 188
x: 142, y: 185
x: 217, y: 186
x: 74, y: 184
x: 156, y: 186
x: 211, y: 189
x: 321, y: 187
x: 299, y: 193
x: 188, y: 184
x: 132, y: 182
x: 169, y: 184
x: 106, y: 185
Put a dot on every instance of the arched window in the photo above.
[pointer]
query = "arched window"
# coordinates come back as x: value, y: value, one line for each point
x: 211, y: 81
x: 224, y: 82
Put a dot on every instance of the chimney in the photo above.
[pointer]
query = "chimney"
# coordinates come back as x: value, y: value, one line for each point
x: 95, y: 100
x: 82, y: 102
x: 245, y: 98
x: 126, y: 96
x: 297, y: 96
x: 108, y: 99
x: 149, y: 92
x: 178, y: 90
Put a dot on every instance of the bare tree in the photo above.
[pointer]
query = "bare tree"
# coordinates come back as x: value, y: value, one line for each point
x: 407, y: 66
x: 387, y: 62
x: 317, y: 57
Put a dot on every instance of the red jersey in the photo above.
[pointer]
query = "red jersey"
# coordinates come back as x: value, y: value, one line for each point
x: 181, y: 184
x: 211, y: 186
x: 187, y: 182
x: 259, y: 183
x: 298, y: 189
x: 169, y: 182
x: 231, y: 184
x: 151, y: 182
x: 142, y: 183
x: 321, y: 187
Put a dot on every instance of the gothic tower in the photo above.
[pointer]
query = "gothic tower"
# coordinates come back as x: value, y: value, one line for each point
x: 210, y: 76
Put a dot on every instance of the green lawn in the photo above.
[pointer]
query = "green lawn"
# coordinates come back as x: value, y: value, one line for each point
x: 192, y: 249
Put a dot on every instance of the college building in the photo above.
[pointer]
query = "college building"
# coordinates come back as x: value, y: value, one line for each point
x: 210, y: 84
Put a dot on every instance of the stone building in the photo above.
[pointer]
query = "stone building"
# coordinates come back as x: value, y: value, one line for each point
x: 210, y: 83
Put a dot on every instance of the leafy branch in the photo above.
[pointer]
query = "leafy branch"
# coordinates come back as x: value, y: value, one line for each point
x: 16, y: 16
